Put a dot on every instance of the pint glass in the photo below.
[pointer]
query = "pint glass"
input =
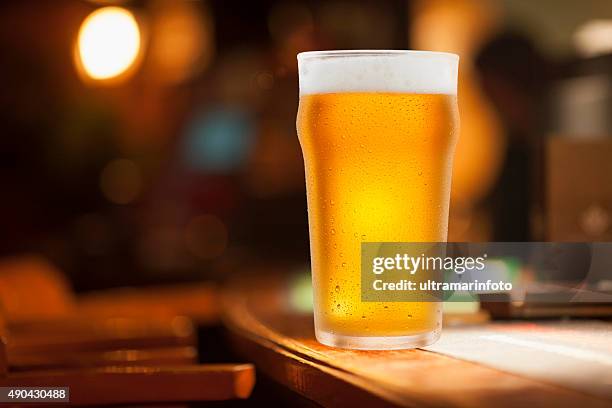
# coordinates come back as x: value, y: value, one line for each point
x: 378, y: 131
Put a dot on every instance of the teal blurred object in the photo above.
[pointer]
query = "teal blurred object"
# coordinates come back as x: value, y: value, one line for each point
x: 218, y: 140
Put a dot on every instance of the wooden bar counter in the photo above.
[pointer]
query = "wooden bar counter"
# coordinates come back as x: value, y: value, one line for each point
x: 282, y: 345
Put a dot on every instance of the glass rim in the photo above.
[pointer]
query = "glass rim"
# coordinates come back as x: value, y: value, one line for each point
x: 374, y: 53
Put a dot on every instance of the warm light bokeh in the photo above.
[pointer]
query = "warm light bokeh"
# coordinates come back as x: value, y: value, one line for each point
x: 462, y: 27
x: 108, y: 43
x: 594, y: 38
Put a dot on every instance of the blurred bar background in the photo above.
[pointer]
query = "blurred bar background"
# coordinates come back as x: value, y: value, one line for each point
x: 153, y: 141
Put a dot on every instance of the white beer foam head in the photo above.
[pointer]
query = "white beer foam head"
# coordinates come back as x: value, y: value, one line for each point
x: 378, y: 71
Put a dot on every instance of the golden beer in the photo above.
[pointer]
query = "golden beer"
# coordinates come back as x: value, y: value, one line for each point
x: 378, y: 157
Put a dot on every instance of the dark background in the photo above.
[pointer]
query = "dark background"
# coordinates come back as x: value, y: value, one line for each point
x: 189, y: 168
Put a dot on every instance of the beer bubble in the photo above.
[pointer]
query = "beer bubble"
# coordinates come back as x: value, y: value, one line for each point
x: 337, y: 288
x: 333, y: 231
x: 343, y: 264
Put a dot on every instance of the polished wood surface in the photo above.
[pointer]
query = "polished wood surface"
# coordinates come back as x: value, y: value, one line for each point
x: 281, y: 343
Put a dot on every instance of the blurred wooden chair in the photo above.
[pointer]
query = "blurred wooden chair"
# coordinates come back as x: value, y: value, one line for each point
x: 79, y: 334
x: 91, y: 344
x: 41, y: 360
x: 127, y: 347
x: 43, y: 328
x: 115, y: 385
x: 33, y: 289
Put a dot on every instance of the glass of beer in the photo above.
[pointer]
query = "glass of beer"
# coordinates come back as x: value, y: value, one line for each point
x: 378, y: 131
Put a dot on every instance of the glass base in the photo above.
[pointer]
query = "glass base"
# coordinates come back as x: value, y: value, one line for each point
x: 377, y: 343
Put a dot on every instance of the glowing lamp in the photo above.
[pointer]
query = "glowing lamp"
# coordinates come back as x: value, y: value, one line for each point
x: 108, y: 43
